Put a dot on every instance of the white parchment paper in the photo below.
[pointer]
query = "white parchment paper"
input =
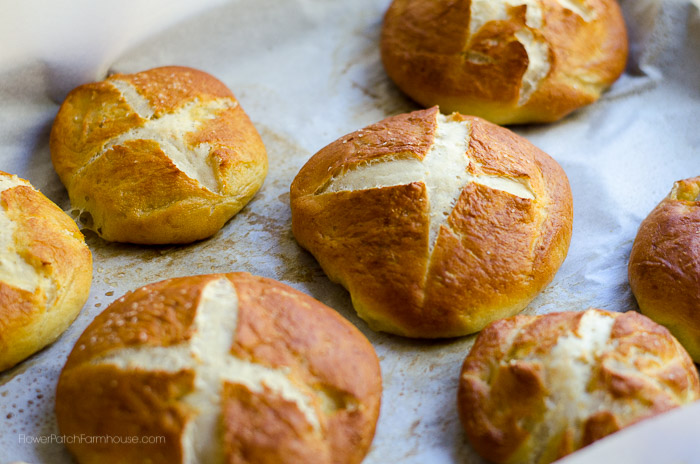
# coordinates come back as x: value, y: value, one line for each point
x: 307, y: 72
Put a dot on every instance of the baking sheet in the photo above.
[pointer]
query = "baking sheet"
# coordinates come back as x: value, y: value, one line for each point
x: 307, y: 72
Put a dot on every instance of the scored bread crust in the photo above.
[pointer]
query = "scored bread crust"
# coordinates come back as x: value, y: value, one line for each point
x: 54, y: 250
x: 536, y: 388
x: 277, y: 329
x: 131, y: 187
x: 664, y: 266
x: 493, y: 255
x: 428, y: 51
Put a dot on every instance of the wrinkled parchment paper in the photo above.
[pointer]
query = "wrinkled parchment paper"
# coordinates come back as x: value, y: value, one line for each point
x: 307, y: 72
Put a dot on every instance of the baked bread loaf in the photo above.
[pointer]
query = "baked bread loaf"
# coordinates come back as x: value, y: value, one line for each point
x: 536, y: 388
x: 664, y: 267
x: 45, y: 270
x: 224, y: 368
x: 436, y: 225
x: 509, y: 61
x: 161, y: 156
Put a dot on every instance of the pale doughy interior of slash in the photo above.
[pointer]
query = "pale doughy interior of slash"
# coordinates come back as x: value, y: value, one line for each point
x: 207, y: 353
x: 443, y: 171
x: 484, y: 11
x: 14, y: 270
x: 169, y: 132
x: 569, y: 366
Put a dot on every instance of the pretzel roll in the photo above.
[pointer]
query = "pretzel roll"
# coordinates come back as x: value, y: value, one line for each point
x: 536, y: 388
x: 436, y: 225
x: 509, y: 61
x: 162, y: 156
x: 45, y: 270
x: 664, y: 267
x: 220, y: 368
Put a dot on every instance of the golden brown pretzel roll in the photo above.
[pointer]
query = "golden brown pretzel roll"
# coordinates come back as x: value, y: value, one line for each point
x: 225, y: 368
x: 436, y: 225
x: 45, y: 270
x: 509, y: 61
x: 664, y: 267
x: 536, y: 388
x: 162, y: 156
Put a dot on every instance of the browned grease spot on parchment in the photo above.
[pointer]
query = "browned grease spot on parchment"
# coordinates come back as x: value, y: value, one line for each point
x: 296, y: 264
x: 285, y: 158
x: 21, y: 367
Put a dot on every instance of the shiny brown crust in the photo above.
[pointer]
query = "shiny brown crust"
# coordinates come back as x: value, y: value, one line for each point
x: 496, y: 252
x: 508, y: 387
x: 426, y: 50
x: 278, y: 327
x: 47, y: 239
x: 133, y: 191
x: 664, y: 266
